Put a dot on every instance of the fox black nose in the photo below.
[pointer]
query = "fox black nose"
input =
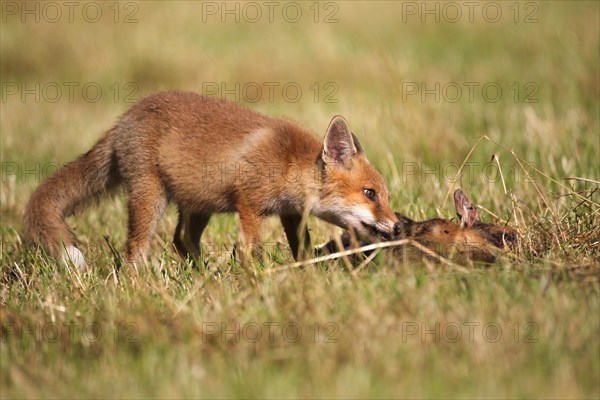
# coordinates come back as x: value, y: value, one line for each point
x: 397, y: 228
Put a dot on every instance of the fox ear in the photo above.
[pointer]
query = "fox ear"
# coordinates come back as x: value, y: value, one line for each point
x: 339, y: 143
x: 466, y: 210
x: 359, y: 148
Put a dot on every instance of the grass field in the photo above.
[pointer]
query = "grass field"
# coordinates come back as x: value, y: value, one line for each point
x: 420, y: 94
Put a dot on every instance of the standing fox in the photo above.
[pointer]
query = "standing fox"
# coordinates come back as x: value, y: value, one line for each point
x: 213, y: 156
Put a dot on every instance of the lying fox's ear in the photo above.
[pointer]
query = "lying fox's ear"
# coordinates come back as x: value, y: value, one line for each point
x: 466, y: 210
x: 339, y: 143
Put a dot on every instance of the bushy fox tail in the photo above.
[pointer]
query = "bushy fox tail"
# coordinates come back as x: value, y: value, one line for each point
x: 76, y: 183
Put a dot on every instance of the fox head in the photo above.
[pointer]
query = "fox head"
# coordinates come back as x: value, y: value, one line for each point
x: 352, y: 194
x: 468, y: 216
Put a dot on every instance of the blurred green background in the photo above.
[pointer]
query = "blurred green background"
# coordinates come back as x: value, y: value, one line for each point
x: 360, y: 59
x: 418, y: 82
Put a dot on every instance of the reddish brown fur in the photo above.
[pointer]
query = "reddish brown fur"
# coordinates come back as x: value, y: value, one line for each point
x: 208, y: 156
x: 479, y: 242
x: 476, y: 241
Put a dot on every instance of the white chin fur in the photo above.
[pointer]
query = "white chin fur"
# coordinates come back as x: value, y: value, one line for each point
x: 74, y: 255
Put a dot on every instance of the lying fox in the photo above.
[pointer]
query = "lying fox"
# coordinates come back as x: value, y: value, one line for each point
x: 469, y: 240
x: 213, y: 156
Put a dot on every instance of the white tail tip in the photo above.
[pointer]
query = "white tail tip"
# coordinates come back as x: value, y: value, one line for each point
x: 74, y: 255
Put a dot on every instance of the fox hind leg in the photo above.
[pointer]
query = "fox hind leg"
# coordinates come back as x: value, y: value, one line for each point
x: 251, y: 224
x: 193, y: 233
x: 192, y: 225
x: 146, y: 206
x: 178, y: 243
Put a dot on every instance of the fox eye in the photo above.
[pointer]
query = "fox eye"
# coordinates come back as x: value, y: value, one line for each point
x: 370, y: 193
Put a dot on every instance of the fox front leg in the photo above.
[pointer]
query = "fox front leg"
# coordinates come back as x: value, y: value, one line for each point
x: 297, y: 235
